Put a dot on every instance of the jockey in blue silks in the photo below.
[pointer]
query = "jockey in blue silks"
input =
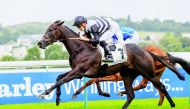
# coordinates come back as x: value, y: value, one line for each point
x: 128, y: 35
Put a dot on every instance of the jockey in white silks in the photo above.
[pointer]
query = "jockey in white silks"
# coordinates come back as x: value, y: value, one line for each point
x: 102, y: 31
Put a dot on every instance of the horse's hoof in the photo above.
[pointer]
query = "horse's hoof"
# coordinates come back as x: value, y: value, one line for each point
x: 119, y: 94
x: 106, y: 94
x: 58, y: 102
x: 182, y: 78
x: 159, y: 104
x: 41, y: 96
x: 74, y: 97
x: 173, y: 105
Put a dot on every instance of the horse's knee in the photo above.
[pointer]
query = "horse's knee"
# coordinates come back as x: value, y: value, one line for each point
x: 59, y: 77
x: 130, y: 96
x: 143, y: 86
x: 163, y: 89
x: 89, y: 82
x: 92, y: 81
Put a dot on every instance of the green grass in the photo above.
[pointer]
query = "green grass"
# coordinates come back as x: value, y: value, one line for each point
x: 181, y: 103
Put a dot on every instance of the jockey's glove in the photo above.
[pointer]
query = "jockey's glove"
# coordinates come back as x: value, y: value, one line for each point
x: 93, y: 41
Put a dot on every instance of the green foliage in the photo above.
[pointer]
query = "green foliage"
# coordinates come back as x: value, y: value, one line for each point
x: 13, y: 32
x: 7, y: 35
x: 185, y: 42
x: 8, y: 58
x: 33, y: 54
x: 55, y: 52
x: 186, y: 49
x: 30, y: 28
x: 155, y: 25
x: 175, y: 42
x: 171, y: 43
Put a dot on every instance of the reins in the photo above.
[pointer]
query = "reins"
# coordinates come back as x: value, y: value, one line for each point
x: 76, y: 38
x: 72, y: 38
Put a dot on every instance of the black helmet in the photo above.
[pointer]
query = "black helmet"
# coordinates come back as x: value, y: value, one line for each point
x: 79, y: 20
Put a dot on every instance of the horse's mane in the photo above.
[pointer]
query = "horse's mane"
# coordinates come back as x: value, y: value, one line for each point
x: 71, y: 30
x: 91, y: 46
x: 58, y: 21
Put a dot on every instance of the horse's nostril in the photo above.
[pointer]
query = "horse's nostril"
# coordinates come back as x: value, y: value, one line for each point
x: 39, y: 44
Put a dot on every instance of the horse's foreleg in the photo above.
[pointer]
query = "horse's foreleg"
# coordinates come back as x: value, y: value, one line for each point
x: 100, y: 90
x: 142, y: 85
x: 73, y: 74
x: 107, y: 78
x: 128, y: 80
x: 88, y: 83
x: 121, y: 93
x: 58, y: 89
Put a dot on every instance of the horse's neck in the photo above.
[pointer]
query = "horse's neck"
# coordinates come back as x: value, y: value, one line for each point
x: 71, y: 44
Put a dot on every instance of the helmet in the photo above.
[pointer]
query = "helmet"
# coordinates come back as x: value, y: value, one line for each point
x: 79, y: 20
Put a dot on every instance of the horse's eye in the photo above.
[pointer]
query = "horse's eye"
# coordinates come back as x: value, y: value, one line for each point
x: 50, y: 30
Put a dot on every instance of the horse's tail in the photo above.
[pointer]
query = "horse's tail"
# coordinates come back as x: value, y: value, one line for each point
x: 168, y: 65
x: 185, y: 65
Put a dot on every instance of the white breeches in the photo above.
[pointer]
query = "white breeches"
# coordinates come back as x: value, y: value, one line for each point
x: 114, y: 30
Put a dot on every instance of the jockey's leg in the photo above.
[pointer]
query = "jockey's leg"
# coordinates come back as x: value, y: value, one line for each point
x: 104, y: 45
x: 105, y: 39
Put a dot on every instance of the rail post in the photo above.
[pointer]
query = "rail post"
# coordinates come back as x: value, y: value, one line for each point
x: 189, y: 87
x: 85, y: 95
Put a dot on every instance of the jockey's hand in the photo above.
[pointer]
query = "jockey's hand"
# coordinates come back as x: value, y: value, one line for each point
x: 83, y: 38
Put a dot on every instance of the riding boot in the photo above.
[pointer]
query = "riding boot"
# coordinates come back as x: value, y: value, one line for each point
x: 107, y: 51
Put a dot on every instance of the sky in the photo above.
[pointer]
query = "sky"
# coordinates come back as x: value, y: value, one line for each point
x: 20, y: 11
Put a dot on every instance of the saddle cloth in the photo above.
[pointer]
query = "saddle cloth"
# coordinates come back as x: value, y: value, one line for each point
x: 118, y: 53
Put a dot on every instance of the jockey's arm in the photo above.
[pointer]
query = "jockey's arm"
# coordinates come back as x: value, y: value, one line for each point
x: 84, y: 38
x: 94, y: 30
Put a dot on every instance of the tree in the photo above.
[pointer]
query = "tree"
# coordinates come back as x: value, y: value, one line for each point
x: 55, y: 52
x: 171, y: 43
x: 7, y: 35
x: 185, y: 42
x: 33, y: 54
x: 186, y: 49
x: 8, y: 58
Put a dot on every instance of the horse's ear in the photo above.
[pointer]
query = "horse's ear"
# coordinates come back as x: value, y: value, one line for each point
x: 60, y: 23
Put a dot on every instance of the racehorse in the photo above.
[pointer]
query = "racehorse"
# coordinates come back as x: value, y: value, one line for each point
x: 85, y: 61
x: 158, y: 72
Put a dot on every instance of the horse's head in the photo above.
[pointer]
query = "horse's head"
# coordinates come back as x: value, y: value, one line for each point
x: 52, y: 34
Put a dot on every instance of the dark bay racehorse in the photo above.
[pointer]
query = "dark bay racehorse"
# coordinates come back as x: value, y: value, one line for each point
x: 85, y: 61
x: 159, y: 69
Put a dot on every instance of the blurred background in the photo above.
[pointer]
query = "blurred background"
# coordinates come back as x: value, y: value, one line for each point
x: 164, y: 23
x: 23, y: 22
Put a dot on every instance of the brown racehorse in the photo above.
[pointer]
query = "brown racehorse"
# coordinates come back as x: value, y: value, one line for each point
x: 85, y: 61
x: 117, y: 77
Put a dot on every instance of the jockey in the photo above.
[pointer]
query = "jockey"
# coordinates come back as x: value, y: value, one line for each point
x: 101, y: 30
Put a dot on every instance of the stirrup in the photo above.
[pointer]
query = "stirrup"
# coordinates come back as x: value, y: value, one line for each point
x: 109, y: 58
